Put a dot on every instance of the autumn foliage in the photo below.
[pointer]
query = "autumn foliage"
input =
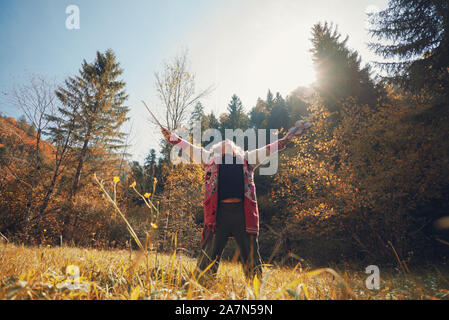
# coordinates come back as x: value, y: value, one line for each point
x: 366, y: 181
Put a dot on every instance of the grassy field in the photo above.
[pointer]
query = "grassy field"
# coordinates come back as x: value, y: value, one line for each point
x: 52, y: 273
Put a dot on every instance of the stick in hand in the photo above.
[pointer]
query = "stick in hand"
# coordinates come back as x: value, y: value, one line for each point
x: 165, y: 132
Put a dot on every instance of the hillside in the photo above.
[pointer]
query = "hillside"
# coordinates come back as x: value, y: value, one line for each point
x: 22, y: 134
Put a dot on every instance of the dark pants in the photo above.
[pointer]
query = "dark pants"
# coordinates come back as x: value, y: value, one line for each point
x: 230, y: 221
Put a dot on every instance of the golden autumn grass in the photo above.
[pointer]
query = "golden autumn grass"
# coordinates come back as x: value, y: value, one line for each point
x: 82, y: 273
x: 45, y: 273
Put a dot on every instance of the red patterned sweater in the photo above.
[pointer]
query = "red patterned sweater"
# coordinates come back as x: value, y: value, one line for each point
x: 211, y: 162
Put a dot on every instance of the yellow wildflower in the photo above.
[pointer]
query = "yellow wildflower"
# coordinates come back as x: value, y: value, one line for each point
x: 154, y: 225
x: 116, y: 179
x: 147, y: 195
x: 71, y: 270
x: 133, y: 185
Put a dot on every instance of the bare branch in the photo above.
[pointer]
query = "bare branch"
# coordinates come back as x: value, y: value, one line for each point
x: 175, y: 87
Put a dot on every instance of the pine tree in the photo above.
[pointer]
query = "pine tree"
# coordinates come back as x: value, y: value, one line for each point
x: 139, y: 175
x: 271, y: 114
x: 270, y: 101
x: 198, y: 115
x: 236, y: 117
x: 212, y: 121
x: 150, y: 159
x: 98, y: 96
x: 339, y: 72
x: 258, y: 115
x: 279, y: 117
x: 149, y: 167
x: 298, y: 102
x: 415, y: 32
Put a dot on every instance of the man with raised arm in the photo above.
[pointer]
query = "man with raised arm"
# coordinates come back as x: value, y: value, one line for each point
x: 230, y: 204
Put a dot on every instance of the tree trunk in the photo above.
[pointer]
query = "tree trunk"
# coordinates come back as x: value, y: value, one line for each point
x: 78, y: 175
x: 56, y: 173
x: 29, y: 204
x: 80, y: 164
x: 49, y: 191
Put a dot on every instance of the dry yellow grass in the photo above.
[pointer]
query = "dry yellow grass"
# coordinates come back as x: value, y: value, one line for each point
x: 48, y: 273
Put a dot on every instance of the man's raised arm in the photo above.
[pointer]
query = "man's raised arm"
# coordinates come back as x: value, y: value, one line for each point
x: 258, y: 156
x: 195, y: 153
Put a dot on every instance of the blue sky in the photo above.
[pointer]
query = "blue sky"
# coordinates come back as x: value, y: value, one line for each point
x: 240, y: 46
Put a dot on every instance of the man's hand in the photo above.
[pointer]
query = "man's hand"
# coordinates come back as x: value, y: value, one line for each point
x: 166, y: 133
x: 300, y: 127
